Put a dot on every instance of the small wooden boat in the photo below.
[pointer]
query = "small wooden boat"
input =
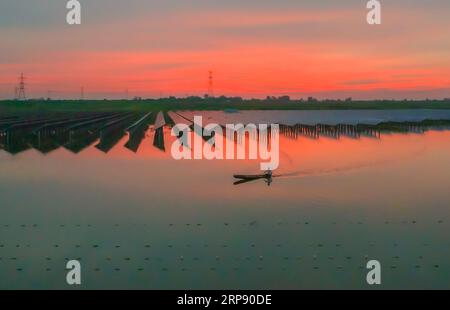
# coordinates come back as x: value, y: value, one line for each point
x: 266, y: 175
x: 250, y: 177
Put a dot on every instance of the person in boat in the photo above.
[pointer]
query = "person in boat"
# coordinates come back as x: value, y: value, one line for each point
x: 269, y: 178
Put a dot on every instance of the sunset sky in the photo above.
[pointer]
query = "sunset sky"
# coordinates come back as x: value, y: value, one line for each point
x: 154, y: 48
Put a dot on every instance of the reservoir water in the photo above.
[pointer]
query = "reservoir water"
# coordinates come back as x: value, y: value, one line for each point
x: 137, y: 218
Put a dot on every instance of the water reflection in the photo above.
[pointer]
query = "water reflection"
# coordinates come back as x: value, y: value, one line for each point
x: 77, y: 132
x: 136, y: 218
x: 137, y: 131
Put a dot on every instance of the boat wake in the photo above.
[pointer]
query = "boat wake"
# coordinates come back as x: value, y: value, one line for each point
x: 345, y: 169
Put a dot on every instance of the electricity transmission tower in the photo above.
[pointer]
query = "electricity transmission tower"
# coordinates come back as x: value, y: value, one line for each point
x: 210, y: 84
x: 20, y: 90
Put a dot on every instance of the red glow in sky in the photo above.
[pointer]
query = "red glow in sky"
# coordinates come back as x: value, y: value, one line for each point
x: 327, y: 52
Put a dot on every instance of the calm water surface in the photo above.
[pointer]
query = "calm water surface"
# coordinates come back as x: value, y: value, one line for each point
x: 144, y: 220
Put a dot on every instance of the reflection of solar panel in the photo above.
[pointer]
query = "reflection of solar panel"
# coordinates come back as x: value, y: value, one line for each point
x: 108, y: 141
x: 77, y: 131
x: 335, y: 132
x: 135, y: 139
x: 76, y: 145
x: 113, y: 131
x: 158, y: 140
x: 137, y: 131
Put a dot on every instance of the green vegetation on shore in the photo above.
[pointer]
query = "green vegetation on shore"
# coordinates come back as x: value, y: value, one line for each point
x: 221, y: 103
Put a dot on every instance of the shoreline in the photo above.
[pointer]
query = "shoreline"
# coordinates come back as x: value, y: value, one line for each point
x: 214, y: 104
